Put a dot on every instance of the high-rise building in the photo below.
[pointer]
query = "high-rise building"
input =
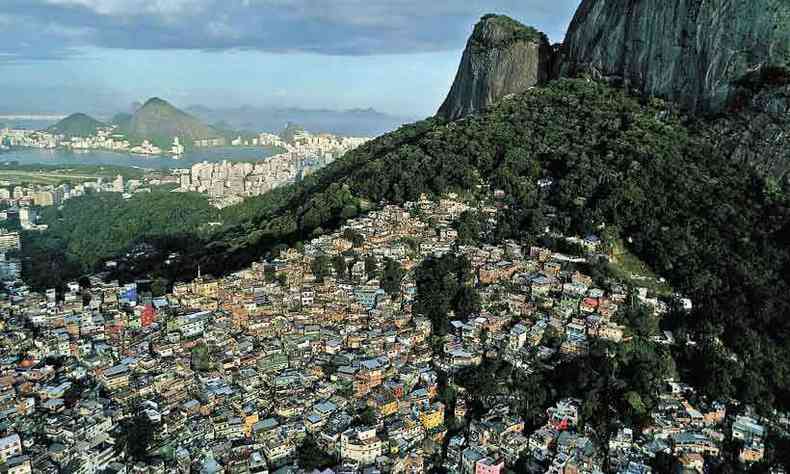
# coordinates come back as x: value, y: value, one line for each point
x: 10, y: 268
x: 43, y: 198
x: 27, y: 217
x: 9, y: 240
x: 177, y: 148
x: 117, y: 185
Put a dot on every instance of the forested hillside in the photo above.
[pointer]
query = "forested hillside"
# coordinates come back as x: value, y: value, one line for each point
x: 91, y: 229
x: 77, y: 125
x: 718, y: 230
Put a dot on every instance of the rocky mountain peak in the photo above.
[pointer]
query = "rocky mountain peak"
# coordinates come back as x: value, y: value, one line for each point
x: 502, y: 57
x: 709, y: 56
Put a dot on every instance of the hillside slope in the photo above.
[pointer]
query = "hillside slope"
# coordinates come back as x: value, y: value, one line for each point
x: 673, y: 188
x: 717, y: 229
x: 77, y: 125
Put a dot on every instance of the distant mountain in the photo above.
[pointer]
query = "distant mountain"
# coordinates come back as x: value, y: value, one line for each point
x: 120, y: 118
x: 77, y: 125
x: 158, y: 122
x: 353, y: 122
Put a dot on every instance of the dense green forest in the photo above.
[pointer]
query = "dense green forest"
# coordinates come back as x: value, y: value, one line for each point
x: 716, y: 229
x: 91, y: 229
x: 77, y: 125
x: 444, y: 289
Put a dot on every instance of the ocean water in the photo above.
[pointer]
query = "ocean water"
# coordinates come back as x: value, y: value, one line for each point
x: 30, y: 156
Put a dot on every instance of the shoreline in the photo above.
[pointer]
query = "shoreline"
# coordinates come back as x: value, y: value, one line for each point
x: 66, y: 157
x: 80, y: 151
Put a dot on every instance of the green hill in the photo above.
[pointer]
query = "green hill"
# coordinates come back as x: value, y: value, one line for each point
x: 158, y: 122
x: 717, y: 229
x: 77, y: 125
x: 120, y: 118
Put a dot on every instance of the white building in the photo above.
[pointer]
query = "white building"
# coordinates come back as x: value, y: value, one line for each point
x: 10, y: 446
x: 9, y: 240
x: 117, y: 185
x: 360, y: 445
x: 177, y: 148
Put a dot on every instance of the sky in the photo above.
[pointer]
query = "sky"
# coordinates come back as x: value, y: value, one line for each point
x: 100, y: 56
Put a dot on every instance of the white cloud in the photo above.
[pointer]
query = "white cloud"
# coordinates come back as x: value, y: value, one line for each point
x: 135, y: 7
x: 335, y: 27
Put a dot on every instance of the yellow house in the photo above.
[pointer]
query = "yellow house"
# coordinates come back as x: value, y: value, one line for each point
x: 249, y: 420
x: 207, y: 289
x: 433, y: 416
x: 388, y: 408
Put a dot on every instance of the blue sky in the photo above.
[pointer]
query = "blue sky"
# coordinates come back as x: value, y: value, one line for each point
x: 397, y: 56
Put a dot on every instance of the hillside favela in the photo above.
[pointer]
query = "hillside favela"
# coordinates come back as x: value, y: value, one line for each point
x: 371, y: 237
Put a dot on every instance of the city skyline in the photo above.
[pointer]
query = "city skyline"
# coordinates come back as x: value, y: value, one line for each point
x: 100, y: 56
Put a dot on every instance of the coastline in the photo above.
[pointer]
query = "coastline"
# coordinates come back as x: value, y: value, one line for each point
x: 64, y: 156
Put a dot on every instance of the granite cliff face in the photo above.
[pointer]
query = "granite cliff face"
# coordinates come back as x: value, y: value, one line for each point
x: 706, y: 55
x: 502, y: 57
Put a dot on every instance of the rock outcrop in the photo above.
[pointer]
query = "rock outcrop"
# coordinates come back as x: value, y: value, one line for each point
x: 707, y: 55
x: 502, y: 57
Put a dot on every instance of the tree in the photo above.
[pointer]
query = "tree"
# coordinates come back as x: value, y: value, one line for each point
x: 598, y: 407
x: 552, y: 338
x: 159, y: 287
x: 366, y: 417
x: 391, y: 277
x: 468, y: 227
x: 443, y: 286
x: 663, y: 462
x: 135, y: 437
x: 320, y: 267
x: 353, y: 236
x: 310, y: 456
x: 532, y: 396
x: 371, y: 266
x: 339, y: 265
x: 641, y: 319
x: 467, y: 302
x: 200, y: 358
x: 73, y: 394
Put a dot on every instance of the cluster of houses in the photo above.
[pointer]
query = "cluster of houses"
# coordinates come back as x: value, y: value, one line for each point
x: 266, y: 369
